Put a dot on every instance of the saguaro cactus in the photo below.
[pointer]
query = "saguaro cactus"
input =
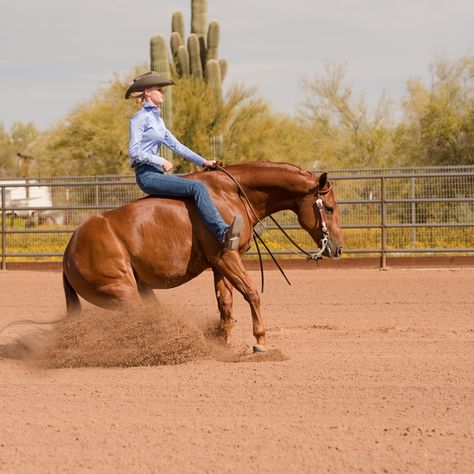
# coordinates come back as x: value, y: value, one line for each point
x: 213, y: 75
x: 214, y: 80
x: 159, y: 62
x: 197, y: 57
x: 199, y: 17
x: 213, y: 40
x: 177, y: 23
x: 202, y: 44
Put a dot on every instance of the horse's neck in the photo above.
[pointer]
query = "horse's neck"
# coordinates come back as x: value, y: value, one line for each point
x: 276, y: 189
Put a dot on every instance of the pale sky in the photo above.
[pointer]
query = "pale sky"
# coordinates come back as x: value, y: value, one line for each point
x: 55, y: 53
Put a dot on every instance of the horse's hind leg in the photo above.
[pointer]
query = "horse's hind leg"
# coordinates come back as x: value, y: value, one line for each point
x: 73, y: 305
x: 231, y: 266
x: 117, y: 295
x: 223, y: 289
x: 146, y: 291
x: 147, y: 294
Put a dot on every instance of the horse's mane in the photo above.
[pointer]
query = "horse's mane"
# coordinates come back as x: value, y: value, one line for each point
x: 274, y: 165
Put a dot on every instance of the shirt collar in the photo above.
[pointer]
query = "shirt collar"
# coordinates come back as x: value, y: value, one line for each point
x: 151, y: 107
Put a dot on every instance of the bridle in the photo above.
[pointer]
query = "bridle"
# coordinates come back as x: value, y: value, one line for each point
x: 257, y: 237
x: 324, y: 228
x: 324, y: 242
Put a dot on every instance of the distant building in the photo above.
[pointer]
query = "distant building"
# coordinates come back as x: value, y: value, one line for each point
x: 19, y: 195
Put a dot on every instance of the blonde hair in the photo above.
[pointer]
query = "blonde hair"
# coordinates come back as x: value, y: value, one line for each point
x: 140, y: 98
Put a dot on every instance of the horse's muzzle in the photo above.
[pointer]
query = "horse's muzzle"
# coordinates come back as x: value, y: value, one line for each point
x: 333, y: 250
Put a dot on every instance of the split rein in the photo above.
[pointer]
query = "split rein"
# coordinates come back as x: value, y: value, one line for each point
x: 256, y: 237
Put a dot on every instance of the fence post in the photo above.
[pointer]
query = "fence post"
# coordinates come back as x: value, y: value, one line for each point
x: 413, y: 212
x: 97, y: 195
x: 4, y: 230
x: 383, y: 259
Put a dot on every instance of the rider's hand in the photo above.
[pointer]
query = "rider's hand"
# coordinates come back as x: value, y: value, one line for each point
x: 167, y: 165
x: 209, y: 164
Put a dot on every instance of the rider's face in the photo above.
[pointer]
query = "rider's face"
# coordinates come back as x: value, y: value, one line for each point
x: 155, y: 95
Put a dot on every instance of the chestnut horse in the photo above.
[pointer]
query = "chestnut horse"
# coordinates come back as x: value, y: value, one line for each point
x: 118, y: 257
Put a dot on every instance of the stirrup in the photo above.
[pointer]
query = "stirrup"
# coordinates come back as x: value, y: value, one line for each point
x: 231, y: 239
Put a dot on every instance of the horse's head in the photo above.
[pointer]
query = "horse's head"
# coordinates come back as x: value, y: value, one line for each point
x: 318, y: 214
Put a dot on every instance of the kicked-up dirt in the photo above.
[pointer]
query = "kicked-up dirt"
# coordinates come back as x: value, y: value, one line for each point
x: 367, y: 371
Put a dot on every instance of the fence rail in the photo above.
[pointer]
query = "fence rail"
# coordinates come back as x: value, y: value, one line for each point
x: 384, y: 212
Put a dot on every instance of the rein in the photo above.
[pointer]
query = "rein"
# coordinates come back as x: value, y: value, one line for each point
x: 256, y: 237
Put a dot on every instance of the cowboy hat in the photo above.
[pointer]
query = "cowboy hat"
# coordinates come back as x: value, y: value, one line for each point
x: 149, y: 79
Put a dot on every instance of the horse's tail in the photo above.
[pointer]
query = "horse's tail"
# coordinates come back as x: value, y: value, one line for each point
x: 73, y: 305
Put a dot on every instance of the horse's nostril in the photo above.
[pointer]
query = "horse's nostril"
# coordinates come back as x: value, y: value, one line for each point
x: 339, y: 251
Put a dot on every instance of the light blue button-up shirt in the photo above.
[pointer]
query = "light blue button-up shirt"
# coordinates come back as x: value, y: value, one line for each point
x: 148, y: 132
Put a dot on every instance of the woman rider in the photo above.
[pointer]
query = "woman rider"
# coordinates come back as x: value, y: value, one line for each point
x: 147, y: 133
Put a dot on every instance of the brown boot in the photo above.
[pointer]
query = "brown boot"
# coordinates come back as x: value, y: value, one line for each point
x: 231, y: 239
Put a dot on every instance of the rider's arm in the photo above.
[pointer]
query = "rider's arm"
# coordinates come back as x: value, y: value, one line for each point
x: 174, y: 144
x: 138, y: 150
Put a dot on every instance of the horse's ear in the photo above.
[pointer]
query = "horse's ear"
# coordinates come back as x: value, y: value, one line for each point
x: 322, y: 181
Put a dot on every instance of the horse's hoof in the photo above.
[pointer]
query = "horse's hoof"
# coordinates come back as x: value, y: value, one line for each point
x: 259, y: 348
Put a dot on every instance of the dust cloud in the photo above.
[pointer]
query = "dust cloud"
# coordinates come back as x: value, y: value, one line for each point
x: 138, y: 336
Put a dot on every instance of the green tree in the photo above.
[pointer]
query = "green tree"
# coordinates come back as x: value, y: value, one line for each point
x: 7, y: 163
x: 344, y: 132
x: 19, y: 140
x: 257, y: 133
x: 438, y: 124
x: 249, y: 128
x: 93, y: 138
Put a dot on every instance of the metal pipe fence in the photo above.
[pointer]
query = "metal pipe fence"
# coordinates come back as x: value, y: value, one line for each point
x: 383, y: 212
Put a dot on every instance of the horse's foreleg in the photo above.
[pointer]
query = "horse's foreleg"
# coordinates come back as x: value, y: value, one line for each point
x: 223, y: 289
x: 231, y: 266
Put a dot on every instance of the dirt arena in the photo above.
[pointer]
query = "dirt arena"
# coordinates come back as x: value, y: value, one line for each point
x: 378, y: 377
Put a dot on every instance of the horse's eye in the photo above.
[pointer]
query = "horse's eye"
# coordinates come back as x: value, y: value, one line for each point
x: 329, y: 209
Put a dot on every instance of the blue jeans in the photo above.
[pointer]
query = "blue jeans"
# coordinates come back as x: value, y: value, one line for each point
x: 153, y: 181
